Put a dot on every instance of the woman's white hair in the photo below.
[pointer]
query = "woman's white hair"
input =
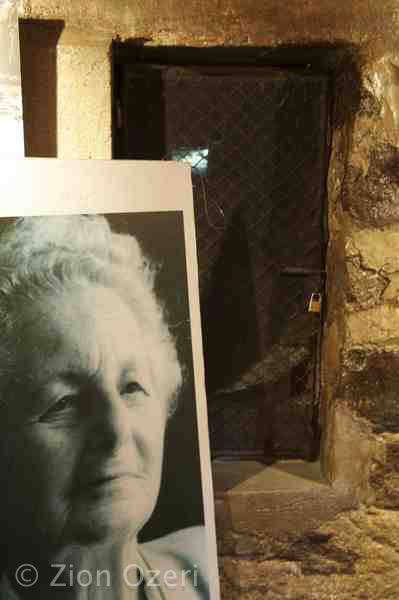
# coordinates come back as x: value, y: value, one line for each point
x: 39, y: 255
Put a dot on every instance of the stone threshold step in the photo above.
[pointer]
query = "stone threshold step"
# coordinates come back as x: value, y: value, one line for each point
x: 288, y: 496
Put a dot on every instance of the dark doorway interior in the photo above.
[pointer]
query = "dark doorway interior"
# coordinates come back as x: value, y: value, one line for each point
x: 256, y: 139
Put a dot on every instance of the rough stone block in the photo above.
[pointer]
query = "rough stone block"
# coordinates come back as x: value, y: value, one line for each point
x: 372, y: 177
x: 366, y: 286
x: 377, y: 327
x: 385, y: 472
x: 353, y: 557
x: 376, y: 250
x: 373, y: 195
x: 370, y: 385
x: 347, y: 451
x: 391, y: 292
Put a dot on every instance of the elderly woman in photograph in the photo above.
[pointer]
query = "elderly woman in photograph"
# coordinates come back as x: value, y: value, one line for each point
x: 88, y: 379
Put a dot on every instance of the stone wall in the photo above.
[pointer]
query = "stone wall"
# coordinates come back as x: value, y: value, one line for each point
x: 354, y: 554
x: 361, y: 349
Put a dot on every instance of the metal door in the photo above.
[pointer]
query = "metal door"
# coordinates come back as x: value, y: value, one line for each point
x: 256, y: 140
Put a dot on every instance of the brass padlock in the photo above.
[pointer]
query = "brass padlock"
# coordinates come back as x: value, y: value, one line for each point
x: 315, y: 303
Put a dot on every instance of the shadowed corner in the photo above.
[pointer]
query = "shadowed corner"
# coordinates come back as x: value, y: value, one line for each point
x: 38, y: 42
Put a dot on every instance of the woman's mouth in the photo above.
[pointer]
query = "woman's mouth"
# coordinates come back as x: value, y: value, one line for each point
x: 108, y: 482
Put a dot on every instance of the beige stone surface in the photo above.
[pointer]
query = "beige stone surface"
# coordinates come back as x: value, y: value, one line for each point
x: 231, y: 21
x: 84, y: 101
x: 372, y: 182
x: 391, y: 292
x: 66, y: 82
x: 381, y: 79
x: 378, y: 249
x: 366, y: 285
x: 377, y: 326
x: 354, y: 557
x: 369, y: 385
x: 385, y: 471
x: 363, y: 283
x: 348, y: 450
x: 289, y: 496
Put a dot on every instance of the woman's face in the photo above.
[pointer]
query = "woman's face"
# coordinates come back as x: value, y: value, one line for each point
x: 85, y: 427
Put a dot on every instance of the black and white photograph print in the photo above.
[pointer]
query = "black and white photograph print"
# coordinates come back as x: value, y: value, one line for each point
x: 101, y: 438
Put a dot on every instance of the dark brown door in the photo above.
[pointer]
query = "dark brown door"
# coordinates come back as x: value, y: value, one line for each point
x: 256, y: 140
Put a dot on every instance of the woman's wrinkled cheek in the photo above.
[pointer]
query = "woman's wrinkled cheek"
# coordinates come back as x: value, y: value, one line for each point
x: 37, y: 474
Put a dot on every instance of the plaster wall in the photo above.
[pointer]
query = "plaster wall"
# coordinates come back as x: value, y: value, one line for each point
x: 355, y: 555
x: 66, y: 79
x: 234, y: 22
x: 84, y: 107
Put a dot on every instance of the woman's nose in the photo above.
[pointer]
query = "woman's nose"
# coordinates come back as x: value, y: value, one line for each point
x: 112, y: 422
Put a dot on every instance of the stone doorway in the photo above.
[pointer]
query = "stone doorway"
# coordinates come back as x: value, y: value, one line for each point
x: 256, y: 138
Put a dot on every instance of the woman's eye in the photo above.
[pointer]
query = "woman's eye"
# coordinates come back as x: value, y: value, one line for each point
x: 132, y: 387
x: 61, y: 405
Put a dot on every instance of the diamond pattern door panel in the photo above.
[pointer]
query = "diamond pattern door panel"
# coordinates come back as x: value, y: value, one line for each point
x: 256, y: 140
